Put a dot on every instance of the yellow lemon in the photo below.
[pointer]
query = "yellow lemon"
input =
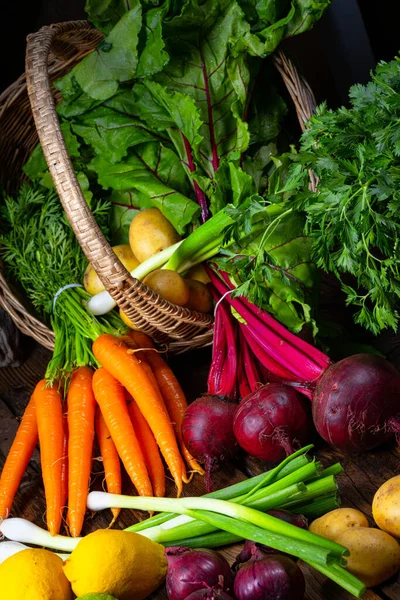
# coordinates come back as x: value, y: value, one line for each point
x: 110, y: 561
x: 34, y: 574
x: 91, y: 280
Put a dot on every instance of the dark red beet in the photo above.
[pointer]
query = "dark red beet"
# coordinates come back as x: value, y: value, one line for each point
x: 275, y: 577
x: 270, y: 421
x: 191, y: 570
x: 207, y: 431
x: 356, y: 404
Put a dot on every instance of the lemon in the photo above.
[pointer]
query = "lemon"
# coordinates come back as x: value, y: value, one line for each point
x: 110, y: 561
x: 34, y: 574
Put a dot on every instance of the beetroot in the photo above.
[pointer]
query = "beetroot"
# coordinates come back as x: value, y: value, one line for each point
x: 270, y: 421
x: 357, y: 403
x: 207, y: 431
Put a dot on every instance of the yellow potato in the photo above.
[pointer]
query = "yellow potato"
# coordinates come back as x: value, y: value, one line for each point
x: 168, y: 284
x: 126, y: 319
x: 337, y: 521
x: 198, y: 273
x: 374, y: 554
x: 150, y: 232
x: 386, y: 506
x: 91, y: 280
x: 200, y: 297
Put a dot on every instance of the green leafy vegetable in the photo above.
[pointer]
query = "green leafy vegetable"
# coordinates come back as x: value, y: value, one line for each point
x: 354, y: 219
x: 176, y: 109
x: 114, y: 60
x: 270, y: 263
x: 157, y: 173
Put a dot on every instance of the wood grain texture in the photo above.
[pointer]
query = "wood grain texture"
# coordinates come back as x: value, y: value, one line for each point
x: 363, y: 473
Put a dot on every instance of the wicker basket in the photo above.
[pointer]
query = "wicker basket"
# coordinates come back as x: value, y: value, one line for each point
x: 51, y: 53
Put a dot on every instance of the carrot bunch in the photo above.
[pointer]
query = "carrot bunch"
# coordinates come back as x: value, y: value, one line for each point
x: 133, y: 404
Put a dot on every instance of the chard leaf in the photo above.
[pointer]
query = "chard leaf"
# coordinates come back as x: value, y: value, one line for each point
x: 104, y: 14
x: 152, y: 57
x: 201, y: 66
x: 231, y: 186
x: 157, y: 173
x: 110, y: 133
x: 124, y: 206
x: 114, y: 60
x: 163, y: 109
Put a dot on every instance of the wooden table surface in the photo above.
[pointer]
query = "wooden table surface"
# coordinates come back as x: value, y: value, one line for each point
x: 363, y: 474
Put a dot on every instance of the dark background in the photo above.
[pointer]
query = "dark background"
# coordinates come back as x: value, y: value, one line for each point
x: 341, y: 50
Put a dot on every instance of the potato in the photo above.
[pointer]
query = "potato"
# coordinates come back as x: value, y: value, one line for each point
x: 150, y: 232
x: 126, y: 319
x: 386, y: 506
x: 169, y: 284
x: 200, y: 297
x: 198, y: 273
x: 91, y: 280
x: 337, y: 521
x: 374, y: 554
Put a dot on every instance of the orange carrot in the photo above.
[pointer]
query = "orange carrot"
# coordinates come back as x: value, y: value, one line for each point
x: 171, y: 391
x: 81, y: 408
x: 141, y: 355
x: 64, y: 469
x: 114, y: 356
x: 18, y: 458
x: 50, y: 427
x: 110, y: 396
x: 149, y: 447
x: 111, y: 463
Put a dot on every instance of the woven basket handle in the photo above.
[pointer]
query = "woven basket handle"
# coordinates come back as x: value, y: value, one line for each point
x: 96, y: 248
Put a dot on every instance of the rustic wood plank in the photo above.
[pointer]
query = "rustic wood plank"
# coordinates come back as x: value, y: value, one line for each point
x: 363, y: 473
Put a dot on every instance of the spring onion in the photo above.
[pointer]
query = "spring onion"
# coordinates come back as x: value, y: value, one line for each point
x: 8, y: 549
x: 21, y: 530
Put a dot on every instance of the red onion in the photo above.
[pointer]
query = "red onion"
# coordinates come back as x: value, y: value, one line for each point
x: 356, y: 403
x: 191, y: 570
x: 270, y: 421
x: 275, y: 577
x: 209, y: 594
x: 254, y: 550
x: 207, y: 431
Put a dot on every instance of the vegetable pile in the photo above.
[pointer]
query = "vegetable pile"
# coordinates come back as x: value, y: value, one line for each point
x: 176, y: 129
x: 229, y: 515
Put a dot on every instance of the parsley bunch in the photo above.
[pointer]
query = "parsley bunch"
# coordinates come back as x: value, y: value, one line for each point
x: 354, y: 218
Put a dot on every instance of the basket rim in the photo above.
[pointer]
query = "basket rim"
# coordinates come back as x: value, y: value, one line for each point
x: 40, y: 43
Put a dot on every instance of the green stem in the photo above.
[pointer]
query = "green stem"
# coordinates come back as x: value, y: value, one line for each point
x: 317, y: 508
x: 315, y: 489
x: 291, y: 464
x: 183, y: 528
x: 241, y: 516
x: 342, y: 577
